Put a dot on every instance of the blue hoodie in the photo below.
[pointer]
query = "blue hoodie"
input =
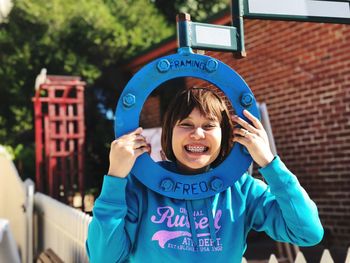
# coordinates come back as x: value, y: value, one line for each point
x: 134, y: 224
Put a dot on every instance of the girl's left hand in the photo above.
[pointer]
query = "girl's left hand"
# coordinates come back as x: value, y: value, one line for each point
x: 254, y: 138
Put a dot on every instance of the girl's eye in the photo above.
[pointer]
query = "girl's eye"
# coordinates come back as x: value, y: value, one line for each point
x: 210, y: 126
x: 185, y: 124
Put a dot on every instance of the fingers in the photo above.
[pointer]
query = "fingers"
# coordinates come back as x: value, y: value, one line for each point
x: 254, y: 127
x: 138, y: 131
x: 136, y: 137
x: 255, y: 121
x: 244, y: 124
x: 141, y: 150
x: 240, y: 139
x: 139, y: 143
x: 133, y: 135
x: 134, y: 142
x: 242, y: 132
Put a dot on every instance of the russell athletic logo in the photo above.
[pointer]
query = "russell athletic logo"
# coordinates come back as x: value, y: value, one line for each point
x: 177, y: 234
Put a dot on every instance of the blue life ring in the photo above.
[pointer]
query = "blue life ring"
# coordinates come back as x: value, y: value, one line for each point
x: 185, y: 64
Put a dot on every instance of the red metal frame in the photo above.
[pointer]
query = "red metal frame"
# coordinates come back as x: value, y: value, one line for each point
x: 60, y: 136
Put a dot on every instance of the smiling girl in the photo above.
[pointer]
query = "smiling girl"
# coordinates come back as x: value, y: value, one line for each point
x: 132, y: 223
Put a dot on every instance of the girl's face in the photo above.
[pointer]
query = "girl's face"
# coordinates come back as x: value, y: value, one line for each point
x: 196, y: 142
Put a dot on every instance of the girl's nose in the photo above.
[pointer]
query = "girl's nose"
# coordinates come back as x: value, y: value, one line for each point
x: 198, y: 133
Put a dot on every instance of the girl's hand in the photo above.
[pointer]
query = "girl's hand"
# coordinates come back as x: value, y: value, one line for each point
x: 254, y: 138
x: 124, y: 152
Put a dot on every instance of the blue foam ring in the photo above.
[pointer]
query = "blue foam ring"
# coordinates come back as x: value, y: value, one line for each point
x: 151, y: 174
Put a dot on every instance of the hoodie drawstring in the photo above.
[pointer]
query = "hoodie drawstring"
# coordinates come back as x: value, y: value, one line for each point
x: 189, y: 208
x: 210, y: 214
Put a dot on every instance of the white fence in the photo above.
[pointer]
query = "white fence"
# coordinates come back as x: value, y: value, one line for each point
x: 325, y: 258
x: 16, y: 205
x: 61, y: 228
x: 56, y: 225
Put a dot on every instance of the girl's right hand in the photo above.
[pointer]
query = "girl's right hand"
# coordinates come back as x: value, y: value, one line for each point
x: 124, y: 152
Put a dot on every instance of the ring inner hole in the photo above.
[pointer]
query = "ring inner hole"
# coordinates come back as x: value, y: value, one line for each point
x: 155, y: 106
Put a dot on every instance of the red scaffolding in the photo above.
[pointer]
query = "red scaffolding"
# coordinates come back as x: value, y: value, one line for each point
x: 60, y: 136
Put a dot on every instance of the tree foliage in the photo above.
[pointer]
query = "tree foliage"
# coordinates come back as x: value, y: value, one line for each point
x: 198, y: 9
x: 68, y: 37
x: 87, y: 38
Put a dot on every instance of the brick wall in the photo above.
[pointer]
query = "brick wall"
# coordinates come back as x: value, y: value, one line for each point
x: 302, y: 72
x: 150, y: 114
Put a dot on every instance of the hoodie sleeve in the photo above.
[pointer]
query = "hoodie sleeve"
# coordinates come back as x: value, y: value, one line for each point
x: 112, y: 230
x: 282, y: 209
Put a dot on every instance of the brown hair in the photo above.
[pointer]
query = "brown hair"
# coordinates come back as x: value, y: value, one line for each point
x: 210, y: 105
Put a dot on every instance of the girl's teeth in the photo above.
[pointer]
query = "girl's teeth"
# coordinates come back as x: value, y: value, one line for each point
x: 196, y: 149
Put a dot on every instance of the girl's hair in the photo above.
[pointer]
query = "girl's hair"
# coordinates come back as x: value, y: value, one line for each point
x: 209, y: 105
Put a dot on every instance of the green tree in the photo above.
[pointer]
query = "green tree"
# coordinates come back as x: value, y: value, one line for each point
x: 199, y: 10
x: 68, y: 37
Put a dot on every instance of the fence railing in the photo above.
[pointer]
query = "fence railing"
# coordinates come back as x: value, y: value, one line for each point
x: 16, y: 205
x: 61, y: 228
x: 325, y: 258
x: 56, y: 225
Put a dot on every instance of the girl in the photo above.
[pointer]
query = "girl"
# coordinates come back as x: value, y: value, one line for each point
x: 134, y: 224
